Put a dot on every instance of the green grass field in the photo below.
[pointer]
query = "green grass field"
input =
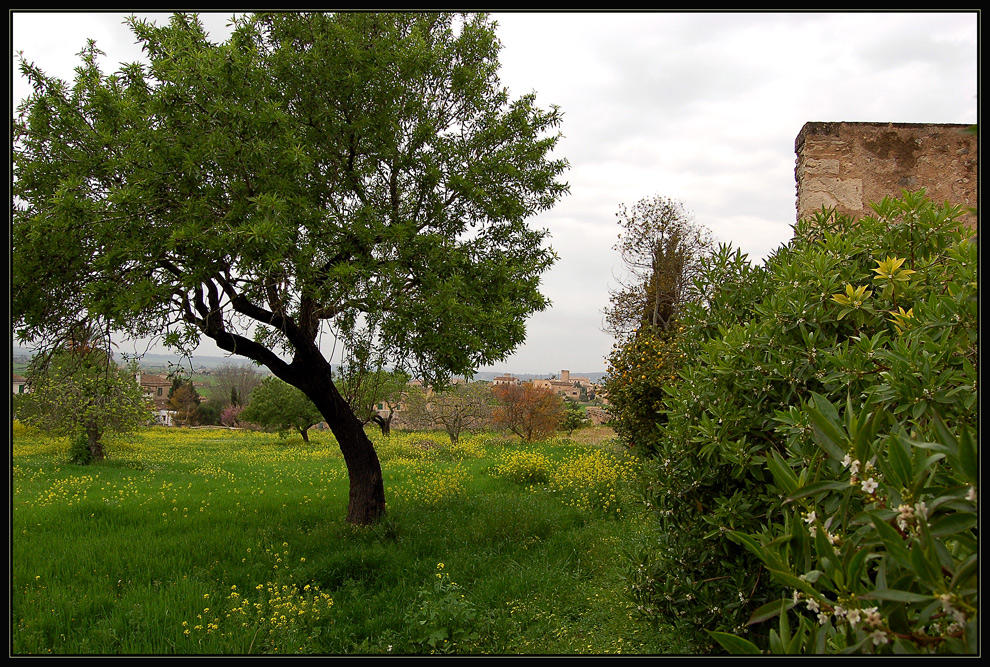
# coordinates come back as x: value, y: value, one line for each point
x: 223, y: 542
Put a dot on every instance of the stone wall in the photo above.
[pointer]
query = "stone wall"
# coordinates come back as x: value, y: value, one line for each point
x: 849, y: 165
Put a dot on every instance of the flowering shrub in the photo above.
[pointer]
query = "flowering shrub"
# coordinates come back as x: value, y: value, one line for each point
x: 878, y: 314
x: 426, y: 482
x: 881, y: 551
x: 639, y: 369
x: 230, y: 414
x: 524, y: 467
x: 591, y: 480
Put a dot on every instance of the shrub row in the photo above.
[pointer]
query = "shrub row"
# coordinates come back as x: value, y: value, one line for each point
x: 816, y: 452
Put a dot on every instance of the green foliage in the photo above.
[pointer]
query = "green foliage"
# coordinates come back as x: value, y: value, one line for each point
x: 640, y: 369
x: 363, y: 169
x: 84, y: 395
x: 79, y: 452
x: 575, y: 417
x: 443, y: 619
x: 278, y: 405
x: 879, y: 315
x: 208, y: 413
x: 880, y: 547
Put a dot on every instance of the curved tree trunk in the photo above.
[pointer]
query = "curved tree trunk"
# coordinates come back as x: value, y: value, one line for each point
x: 310, y: 372
x: 385, y: 424
x: 366, y: 504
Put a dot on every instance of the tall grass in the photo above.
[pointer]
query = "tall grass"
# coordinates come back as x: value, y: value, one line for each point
x: 221, y: 542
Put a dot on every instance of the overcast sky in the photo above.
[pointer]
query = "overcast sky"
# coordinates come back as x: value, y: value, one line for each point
x: 700, y: 107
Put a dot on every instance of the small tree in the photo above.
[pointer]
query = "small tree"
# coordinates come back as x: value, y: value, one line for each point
x: 533, y: 413
x: 209, y: 412
x: 574, y: 418
x: 84, y: 395
x: 278, y: 405
x: 183, y: 399
x: 459, y: 408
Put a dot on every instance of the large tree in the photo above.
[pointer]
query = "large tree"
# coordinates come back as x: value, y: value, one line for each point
x: 361, y: 175
x: 662, y: 249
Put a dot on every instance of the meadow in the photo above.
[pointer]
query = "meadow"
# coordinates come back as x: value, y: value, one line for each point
x: 197, y: 541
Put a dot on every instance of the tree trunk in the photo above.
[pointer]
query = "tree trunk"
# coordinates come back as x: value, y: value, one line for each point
x: 95, y: 443
x: 384, y: 424
x: 366, y: 504
x: 311, y: 373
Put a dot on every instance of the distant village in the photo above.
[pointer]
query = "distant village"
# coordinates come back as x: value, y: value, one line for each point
x: 584, y: 390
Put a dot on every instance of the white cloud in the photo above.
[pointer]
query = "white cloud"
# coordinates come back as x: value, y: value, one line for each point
x: 701, y: 107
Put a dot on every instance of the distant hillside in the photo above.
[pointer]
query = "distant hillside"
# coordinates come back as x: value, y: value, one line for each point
x: 594, y: 377
x: 21, y: 356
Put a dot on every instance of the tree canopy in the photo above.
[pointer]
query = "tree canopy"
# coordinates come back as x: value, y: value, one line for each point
x: 363, y: 175
x: 82, y: 393
x: 662, y: 248
x: 277, y: 405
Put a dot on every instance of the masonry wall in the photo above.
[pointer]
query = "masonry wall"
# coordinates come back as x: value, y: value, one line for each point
x: 849, y: 165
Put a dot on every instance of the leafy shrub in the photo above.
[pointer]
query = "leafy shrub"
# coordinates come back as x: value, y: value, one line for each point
x: 79, y: 451
x: 443, y: 620
x: 879, y: 314
x: 880, y: 546
x: 639, y: 369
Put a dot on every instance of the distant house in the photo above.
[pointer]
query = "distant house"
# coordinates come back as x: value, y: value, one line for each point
x: 566, y: 386
x: 502, y: 380
x: 19, y: 384
x: 156, y: 388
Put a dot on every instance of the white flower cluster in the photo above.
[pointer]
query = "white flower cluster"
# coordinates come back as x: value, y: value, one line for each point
x: 810, y: 518
x: 869, y: 484
x: 908, y: 515
x: 867, y: 619
x: 949, y: 607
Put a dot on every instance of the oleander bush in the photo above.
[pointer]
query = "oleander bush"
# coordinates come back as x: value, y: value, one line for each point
x: 876, y: 317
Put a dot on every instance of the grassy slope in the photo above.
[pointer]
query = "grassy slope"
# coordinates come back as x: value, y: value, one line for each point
x: 191, y: 541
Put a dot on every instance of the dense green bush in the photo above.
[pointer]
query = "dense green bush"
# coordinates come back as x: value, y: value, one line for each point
x: 639, y: 368
x: 879, y: 315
